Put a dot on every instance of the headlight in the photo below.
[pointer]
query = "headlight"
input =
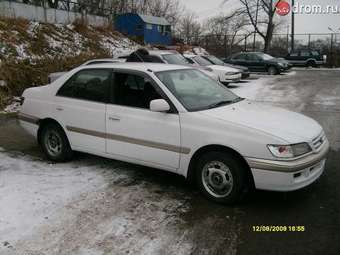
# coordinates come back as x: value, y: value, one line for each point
x: 281, y: 64
x: 289, y: 151
x: 230, y: 73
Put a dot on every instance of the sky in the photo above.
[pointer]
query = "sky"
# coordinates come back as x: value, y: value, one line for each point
x: 305, y: 23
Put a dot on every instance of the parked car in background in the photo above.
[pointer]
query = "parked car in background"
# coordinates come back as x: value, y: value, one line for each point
x: 54, y: 76
x: 171, y: 57
x: 259, y: 62
x: 216, y: 61
x: 311, y: 58
x: 177, y: 119
x: 225, y: 74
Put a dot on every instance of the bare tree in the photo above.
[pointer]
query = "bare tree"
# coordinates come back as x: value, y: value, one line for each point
x: 190, y: 28
x: 260, y: 14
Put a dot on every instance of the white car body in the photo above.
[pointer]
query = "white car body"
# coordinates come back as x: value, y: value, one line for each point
x: 169, y: 141
x: 225, y: 74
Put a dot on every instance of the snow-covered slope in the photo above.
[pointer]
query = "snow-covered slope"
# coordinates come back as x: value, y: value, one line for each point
x: 23, y: 39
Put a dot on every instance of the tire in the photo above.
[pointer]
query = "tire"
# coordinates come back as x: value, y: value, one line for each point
x: 272, y: 70
x: 55, y: 144
x: 224, y: 168
x: 311, y: 63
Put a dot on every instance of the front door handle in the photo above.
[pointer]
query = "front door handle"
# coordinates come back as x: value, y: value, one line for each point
x: 114, y: 118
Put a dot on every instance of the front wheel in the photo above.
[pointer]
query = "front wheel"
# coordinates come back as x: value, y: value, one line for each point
x: 272, y: 70
x: 55, y: 144
x: 221, y: 177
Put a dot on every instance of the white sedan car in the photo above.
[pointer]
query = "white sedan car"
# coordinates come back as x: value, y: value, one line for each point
x: 225, y: 74
x: 176, y: 119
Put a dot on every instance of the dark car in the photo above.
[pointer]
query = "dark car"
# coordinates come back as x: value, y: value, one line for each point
x: 311, y: 58
x: 259, y: 62
x: 216, y: 61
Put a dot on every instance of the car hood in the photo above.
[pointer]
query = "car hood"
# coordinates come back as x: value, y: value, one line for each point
x: 288, y: 126
x: 224, y: 68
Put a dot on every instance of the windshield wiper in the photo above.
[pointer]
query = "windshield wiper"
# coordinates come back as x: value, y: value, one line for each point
x: 225, y: 102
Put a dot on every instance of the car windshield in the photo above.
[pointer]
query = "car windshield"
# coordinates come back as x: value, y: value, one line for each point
x: 201, y: 61
x: 195, y: 90
x: 265, y: 56
x: 175, y: 59
x: 215, y: 60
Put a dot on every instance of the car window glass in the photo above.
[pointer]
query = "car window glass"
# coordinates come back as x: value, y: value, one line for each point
x: 305, y: 54
x: 315, y: 53
x: 92, y: 85
x: 175, y: 59
x: 133, y: 90
x: 201, y: 61
x: 253, y: 57
x: 294, y: 54
x: 240, y: 57
x: 193, y: 89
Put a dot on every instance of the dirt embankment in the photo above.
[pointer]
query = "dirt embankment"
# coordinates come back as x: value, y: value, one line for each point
x: 29, y: 51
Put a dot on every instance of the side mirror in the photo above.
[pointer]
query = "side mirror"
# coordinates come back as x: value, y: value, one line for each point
x: 159, y: 105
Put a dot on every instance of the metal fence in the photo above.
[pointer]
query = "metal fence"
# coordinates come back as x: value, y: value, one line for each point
x: 71, y: 6
x: 225, y: 45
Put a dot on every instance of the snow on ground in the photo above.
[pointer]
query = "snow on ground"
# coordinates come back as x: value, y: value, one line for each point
x: 13, y: 107
x: 93, y: 206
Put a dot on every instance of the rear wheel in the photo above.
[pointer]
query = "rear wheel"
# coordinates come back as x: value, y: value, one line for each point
x: 311, y: 63
x: 272, y: 70
x: 55, y: 143
x: 221, y: 177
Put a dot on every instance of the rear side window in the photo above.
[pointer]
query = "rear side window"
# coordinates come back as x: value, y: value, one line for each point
x: 239, y: 57
x: 91, y: 85
x: 305, y: 53
x: 294, y: 54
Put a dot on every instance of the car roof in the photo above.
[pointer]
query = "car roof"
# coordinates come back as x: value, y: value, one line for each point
x: 144, y: 67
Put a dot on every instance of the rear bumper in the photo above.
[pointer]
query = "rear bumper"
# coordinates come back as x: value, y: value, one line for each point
x: 288, y: 175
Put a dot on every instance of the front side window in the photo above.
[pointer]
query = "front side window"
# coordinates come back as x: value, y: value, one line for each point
x: 91, y: 84
x: 133, y: 91
x: 315, y: 53
x: 195, y: 90
x: 294, y: 54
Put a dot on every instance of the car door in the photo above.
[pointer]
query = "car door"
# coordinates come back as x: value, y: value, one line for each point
x: 81, y: 105
x: 293, y: 58
x: 135, y: 132
x: 240, y: 59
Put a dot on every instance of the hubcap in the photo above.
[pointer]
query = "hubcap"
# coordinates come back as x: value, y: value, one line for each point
x: 217, y: 179
x: 53, y: 143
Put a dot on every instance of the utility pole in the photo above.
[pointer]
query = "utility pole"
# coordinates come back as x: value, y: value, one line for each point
x: 293, y: 27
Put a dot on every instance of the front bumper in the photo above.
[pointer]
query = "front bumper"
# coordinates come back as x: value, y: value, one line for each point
x: 288, y: 175
x: 231, y: 78
x: 245, y: 75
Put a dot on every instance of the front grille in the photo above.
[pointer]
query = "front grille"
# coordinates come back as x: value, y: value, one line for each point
x: 319, y: 141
